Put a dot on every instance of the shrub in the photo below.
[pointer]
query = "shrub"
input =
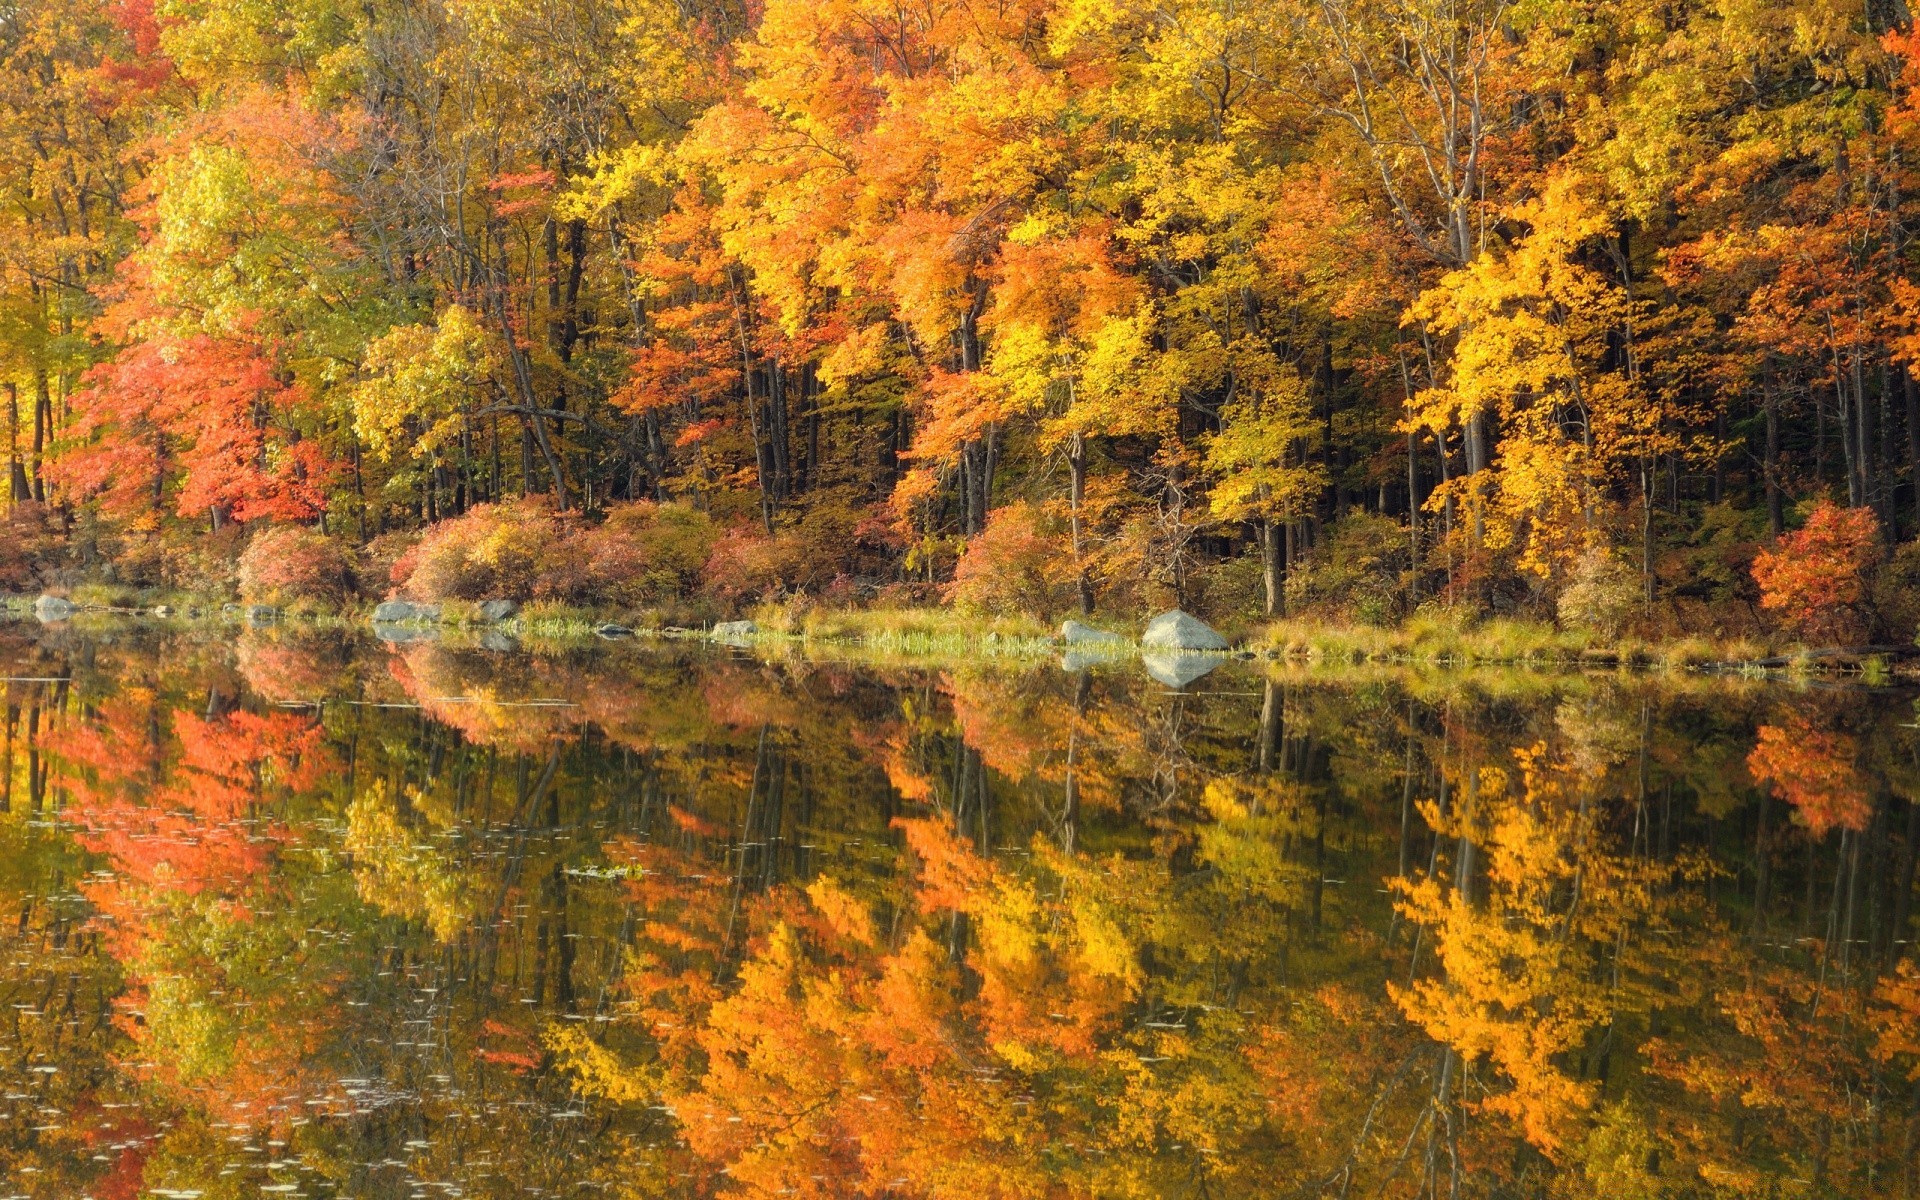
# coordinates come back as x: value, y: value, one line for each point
x: 747, y: 565
x: 491, y: 550
x: 644, y: 553
x: 1896, y: 592
x: 1602, y: 595
x: 30, y: 546
x: 387, y: 560
x: 286, y: 563
x: 1816, y: 577
x: 1017, y: 565
x: 1359, y: 571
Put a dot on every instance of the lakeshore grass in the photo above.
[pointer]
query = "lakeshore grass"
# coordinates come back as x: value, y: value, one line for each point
x: 930, y: 635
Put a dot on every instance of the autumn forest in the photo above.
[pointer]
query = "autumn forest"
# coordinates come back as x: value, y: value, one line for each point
x: 1599, y: 315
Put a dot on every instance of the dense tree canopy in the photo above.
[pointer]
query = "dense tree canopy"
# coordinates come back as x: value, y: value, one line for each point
x: 1197, y: 284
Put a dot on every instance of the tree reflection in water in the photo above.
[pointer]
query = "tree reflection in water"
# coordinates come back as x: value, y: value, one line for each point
x: 312, y: 916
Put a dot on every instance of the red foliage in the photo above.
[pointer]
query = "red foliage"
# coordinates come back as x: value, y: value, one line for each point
x: 642, y: 553
x: 194, y: 417
x: 1816, y: 577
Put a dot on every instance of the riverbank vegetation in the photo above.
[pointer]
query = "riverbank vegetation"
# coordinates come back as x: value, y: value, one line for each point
x: 1494, y: 322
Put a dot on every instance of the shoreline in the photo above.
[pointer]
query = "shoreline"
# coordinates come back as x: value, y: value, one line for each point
x: 940, y: 634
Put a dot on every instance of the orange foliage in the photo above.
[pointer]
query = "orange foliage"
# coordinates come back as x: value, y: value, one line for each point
x: 198, y: 419
x: 1816, y: 577
x: 1814, y: 770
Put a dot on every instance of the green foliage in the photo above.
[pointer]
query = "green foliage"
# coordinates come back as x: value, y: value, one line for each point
x: 1358, y: 571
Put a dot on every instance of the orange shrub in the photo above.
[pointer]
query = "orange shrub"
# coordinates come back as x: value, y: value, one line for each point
x: 491, y: 550
x: 1016, y: 566
x: 1816, y: 577
x: 284, y: 563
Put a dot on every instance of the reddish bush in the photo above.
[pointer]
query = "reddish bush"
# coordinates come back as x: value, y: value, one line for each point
x: 1017, y: 565
x: 643, y: 553
x: 748, y: 565
x: 285, y: 563
x: 1816, y: 577
x: 30, y: 545
x: 835, y: 545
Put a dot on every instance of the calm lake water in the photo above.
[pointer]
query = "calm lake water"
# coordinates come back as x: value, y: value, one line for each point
x: 296, y: 914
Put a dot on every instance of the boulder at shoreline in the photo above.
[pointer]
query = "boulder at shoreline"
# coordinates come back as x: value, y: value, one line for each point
x: 1076, y: 634
x: 1177, y: 630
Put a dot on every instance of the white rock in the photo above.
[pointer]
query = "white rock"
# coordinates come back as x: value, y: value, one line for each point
x: 1177, y: 630
x: 1075, y: 634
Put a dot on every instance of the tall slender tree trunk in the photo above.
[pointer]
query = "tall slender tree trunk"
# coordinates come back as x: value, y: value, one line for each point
x: 1648, y: 477
x: 1076, y: 499
x: 1776, y: 503
x: 1848, y: 419
x: 1477, y: 457
x: 19, y: 488
x: 42, y: 431
x: 1912, y: 397
x: 1273, y: 566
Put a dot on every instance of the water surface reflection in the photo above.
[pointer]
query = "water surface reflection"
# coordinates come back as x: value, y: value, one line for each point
x: 310, y: 915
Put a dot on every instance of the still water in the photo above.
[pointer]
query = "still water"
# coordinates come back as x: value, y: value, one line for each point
x: 288, y: 914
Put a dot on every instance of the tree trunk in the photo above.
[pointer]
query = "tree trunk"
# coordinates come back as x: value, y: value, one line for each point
x: 1776, y: 503
x: 1413, y: 505
x: 19, y: 487
x: 1076, y: 497
x: 1273, y: 566
x: 1912, y: 395
x: 1476, y: 463
x: 42, y: 419
x: 1848, y: 419
x: 1647, y: 475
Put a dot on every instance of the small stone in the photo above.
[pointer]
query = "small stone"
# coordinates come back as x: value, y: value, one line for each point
x: 53, y: 608
x: 498, y: 610
x: 498, y: 642
x: 163, y: 610
x: 262, y: 614
x: 1075, y: 634
x: 734, y: 631
x: 1177, y: 630
x: 611, y: 632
